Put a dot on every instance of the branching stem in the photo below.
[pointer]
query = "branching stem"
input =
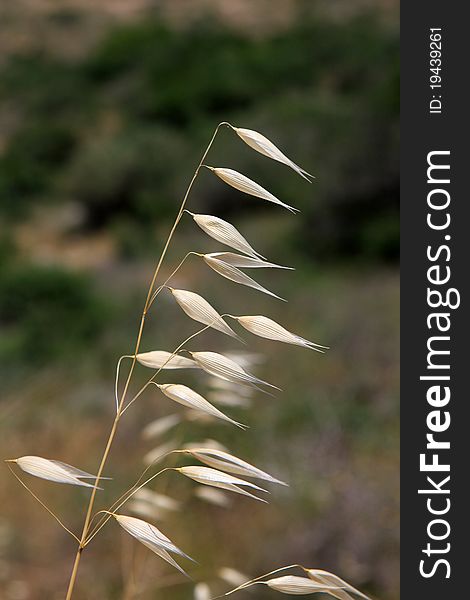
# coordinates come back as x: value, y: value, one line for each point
x: 114, y: 427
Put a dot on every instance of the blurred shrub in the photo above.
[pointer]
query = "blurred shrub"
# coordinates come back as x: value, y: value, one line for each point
x: 46, y: 312
x: 27, y: 167
x: 145, y: 100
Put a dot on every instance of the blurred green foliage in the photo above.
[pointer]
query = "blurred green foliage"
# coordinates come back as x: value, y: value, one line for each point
x: 46, y: 312
x: 119, y: 129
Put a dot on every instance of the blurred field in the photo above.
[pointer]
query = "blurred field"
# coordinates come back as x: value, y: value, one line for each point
x: 97, y: 146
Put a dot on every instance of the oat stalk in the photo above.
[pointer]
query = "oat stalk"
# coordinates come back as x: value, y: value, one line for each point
x: 122, y: 399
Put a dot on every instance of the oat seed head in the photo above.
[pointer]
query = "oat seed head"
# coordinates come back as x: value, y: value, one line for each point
x: 248, y: 186
x: 225, y: 368
x: 225, y: 233
x: 213, y: 496
x: 202, y: 592
x: 234, y: 274
x: 261, y: 144
x: 298, y: 586
x: 324, y: 577
x: 153, y: 538
x: 198, y: 309
x: 187, y: 397
x: 267, y: 328
x: 160, y: 426
x: 245, y: 262
x: 54, y: 470
x: 160, y: 359
x: 218, y: 479
x: 224, y: 461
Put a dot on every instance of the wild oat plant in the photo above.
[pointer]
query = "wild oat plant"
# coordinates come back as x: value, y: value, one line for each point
x: 231, y: 384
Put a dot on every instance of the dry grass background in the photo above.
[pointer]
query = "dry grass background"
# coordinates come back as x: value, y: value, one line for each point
x: 332, y: 433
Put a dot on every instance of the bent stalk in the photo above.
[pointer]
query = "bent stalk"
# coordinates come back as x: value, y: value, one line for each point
x: 112, y: 434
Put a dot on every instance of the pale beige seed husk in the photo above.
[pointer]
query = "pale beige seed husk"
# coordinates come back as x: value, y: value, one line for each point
x: 225, y: 233
x: 267, y: 328
x: 229, y: 399
x: 151, y: 537
x: 198, y: 309
x: 246, y: 262
x: 160, y: 501
x: 218, y: 479
x: 157, y: 454
x: 234, y: 274
x: 208, y: 443
x: 223, y: 461
x: 159, y: 359
x: 144, y: 510
x: 144, y: 531
x: 264, y: 146
x: 246, y: 359
x: 213, y: 496
x: 225, y: 368
x: 297, y: 586
x: 160, y: 426
x: 320, y: 576
x: 54, y: 470
x: 202, y: 592
x: 222, y: 385
x: 248, y: 186
x: 187, y: 397
x: 232, y: 576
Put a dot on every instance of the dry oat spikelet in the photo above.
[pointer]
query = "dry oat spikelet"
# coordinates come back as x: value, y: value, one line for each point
x: 153, y: 538
x: 202, y: 592
x: 261, y: 144
x: 160, y: 501
x: 213, y: 496
x: 224, y: 461
x: 248, y: 186
x: 187, y: 397
x: 225, y: 368
x: 225, y: 233
x: 160, y: 426
x: 54, y: 470
x: 298, y: 586
x: 218, y: 479
x: 198, y: 309
x: 245, y: 262
x: 160, y: 359
x: 232, y: 576
x: 234, y: 274
x: 324, y: 577
x: 157, y: 454
x: 267, y: 328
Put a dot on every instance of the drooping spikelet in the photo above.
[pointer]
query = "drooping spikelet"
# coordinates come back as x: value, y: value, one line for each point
x: 234, y: 274
x: 261, y: 144
x: 197, y: 308
x: 153, y: 538
x: 187, y: 397
x: 159, y: 359
x: 248, y: 186
x: 225, y: 233
x: 224, y: 461
x: 245, y: 262
x: 221, y: 366
x: 54, y: 470
x: 214, y: 478
x: 267, y: 328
